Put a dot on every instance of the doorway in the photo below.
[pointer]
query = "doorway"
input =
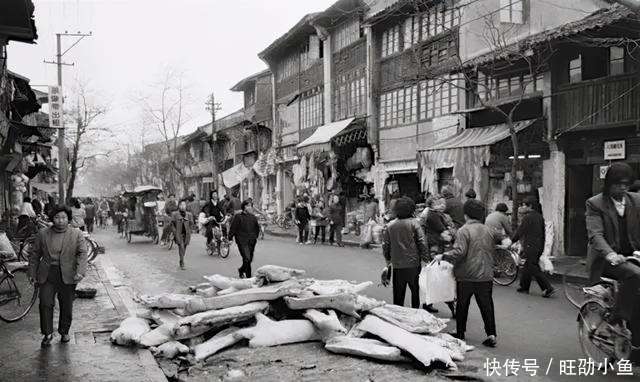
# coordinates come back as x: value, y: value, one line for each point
x: 579, y: 188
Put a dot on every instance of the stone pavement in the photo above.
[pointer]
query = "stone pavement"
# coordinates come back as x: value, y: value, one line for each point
x: 89, y: 356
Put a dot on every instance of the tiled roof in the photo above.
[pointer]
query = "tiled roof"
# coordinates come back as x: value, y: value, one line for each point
x: 290, y: 33
x: 597, y: 19
x: 240, y: 85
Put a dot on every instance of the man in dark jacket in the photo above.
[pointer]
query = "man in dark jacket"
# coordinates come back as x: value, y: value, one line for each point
x: 531, y: 232
x: 472, y: 256
x: 613, y: 218
x: 245, y: 228
x: 404, y: 247
x: 302, y: 218
x: 336, y: 220
x: 90, y: 214
x: 213, y: 214
x: 453, y: 206
x: 181, y: 222
x: 234, y: 205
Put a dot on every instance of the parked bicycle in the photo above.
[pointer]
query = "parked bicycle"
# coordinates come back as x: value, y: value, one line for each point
x: 600, y: 339
x: 17, y: 293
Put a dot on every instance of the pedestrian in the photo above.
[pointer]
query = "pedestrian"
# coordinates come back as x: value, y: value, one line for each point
x: 437, y: 235
x: 453, y: 206
x: 371, y: 212
x: 234, y: 205
x: 531, y: 232
x: 498, y: 220
x: 170, y: 206
x: 613, y: 217
x: 182, y: 223
x: 302, y: 218
x: 404, y: 248
x: 90, y: 215
x: 78, y: 214
x: 211, y: 216
x: 226, y: 200
x: 471, y: 194
x: 245, y: 229
x: 37, y: 205
x: 336, y: 221
x: 103, y: 212
x: 57, y: 263
x: 472, y: 258
x: 50, y: 206
x: 321, y: 222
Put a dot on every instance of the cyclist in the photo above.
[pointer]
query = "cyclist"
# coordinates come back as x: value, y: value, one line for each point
x: 612, y: 220
x: 211, y: 216
x: 170, y: 207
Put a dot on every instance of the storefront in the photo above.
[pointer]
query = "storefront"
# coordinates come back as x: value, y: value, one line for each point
x: 337, y: 159
x: 400, y: 178
x: 587, y: 156
x: 481, y: 158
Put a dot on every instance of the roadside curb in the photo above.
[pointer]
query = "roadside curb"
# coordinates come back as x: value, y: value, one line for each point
x: 347, y: 243
x: 147, y: 361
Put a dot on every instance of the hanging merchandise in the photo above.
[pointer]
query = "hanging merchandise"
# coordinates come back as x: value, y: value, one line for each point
x: 361, y: 159
x: 312, y: 168
x: 298, y: 175
x: 303, y: 165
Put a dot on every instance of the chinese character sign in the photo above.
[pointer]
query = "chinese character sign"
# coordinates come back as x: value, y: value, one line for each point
x: 55, y: 106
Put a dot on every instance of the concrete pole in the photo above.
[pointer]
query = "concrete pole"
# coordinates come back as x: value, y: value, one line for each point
x: 62, y: 158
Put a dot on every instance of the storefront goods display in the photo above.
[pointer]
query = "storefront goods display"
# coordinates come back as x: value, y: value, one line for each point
x: 279, y: 307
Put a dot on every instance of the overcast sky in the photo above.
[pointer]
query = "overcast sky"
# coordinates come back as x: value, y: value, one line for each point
x: 214, y: 42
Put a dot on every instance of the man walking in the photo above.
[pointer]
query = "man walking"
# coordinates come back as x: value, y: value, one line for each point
x: 170, y: 206
x: 90, y: 215
x: 453, y: 206
x: 245, y: 229
x: 181, y: 222
x: 531, y: 232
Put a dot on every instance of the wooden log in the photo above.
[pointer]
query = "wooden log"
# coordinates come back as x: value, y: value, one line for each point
x: 216, y: 343
x: 409, y: 319
x: 272, y: 333
x: 346, y: 303
x: 217, y: 318
x: 423, y: 351
x: 364, y: 347
x: 243, y: 297
x: 275, y: 273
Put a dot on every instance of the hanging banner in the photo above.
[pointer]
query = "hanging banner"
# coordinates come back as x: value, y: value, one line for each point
x: 55, y: 107
x: 233, y: 176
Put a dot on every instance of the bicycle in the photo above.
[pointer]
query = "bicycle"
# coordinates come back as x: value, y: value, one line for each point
x: 506, y: 266
x: 212, y: 247
x: 574, y: 281
x: 600, y: 339
x: 17, y: 293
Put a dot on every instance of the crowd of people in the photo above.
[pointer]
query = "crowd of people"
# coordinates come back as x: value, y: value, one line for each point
x: 312, y: 216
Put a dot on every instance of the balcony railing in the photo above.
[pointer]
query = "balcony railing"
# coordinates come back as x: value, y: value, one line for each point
x: 603, y: 102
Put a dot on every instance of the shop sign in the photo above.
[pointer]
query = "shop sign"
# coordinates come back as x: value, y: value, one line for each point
x: 55, y: 106
x: 614, y: 150
x: 207, y: 179
x: 603, y: 171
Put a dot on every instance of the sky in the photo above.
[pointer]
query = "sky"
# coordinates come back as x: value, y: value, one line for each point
x: 134, y: 42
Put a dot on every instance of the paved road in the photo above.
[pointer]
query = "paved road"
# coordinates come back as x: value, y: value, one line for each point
x: 529, y: 327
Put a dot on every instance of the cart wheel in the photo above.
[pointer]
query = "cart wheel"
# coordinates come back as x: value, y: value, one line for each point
x: 128, y: 233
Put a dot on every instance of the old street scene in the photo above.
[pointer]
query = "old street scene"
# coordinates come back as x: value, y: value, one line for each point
x: 326, y: 190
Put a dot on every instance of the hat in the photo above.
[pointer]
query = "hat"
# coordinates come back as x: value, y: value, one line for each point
x: 471, y: 194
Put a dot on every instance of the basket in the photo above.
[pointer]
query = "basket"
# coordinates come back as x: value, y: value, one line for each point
x: 87, y: 292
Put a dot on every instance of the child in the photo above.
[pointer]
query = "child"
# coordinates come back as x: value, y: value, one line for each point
x: 472, y: 257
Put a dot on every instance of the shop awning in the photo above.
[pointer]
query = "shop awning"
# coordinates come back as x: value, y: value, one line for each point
x: 465, y: 152
x: 320, y: 140
x: 233, y: 176
x: 400, y: 167
x: 480, y: 136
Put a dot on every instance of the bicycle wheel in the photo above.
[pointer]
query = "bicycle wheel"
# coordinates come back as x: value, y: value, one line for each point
x: 574, y: 286
x: 286, y: 224
x: 224, y: 249
x: 92, y: 250
x: 505, y: 268
x: 17, y: 295
x: 593, y: 333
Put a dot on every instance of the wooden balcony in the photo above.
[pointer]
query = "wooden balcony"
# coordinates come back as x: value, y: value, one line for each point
x: 603, y: 102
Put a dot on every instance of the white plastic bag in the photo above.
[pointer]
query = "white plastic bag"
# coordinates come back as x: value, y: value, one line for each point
x: 6, y: 250
x: 437, y: 283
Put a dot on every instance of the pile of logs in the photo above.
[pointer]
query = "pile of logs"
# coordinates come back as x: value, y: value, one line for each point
x: 279, y: 306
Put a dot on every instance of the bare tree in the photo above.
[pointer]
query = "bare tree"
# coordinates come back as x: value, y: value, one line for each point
x: 166, y: 113
x: 478, y: 79
x: 83, y: 140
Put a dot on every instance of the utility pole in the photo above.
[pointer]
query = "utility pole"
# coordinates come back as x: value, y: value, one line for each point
x: 213, y: 107
x: 62, y: 157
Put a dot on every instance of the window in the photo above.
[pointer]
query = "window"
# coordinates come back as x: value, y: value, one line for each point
x: 287, y: 67
x: 311, y: 108
x: 411, y: 31
x: 616, y: 60
x: 512, y: 11
x: 345, y: 34
x: 391, y: 41
x: 489, y: 88
x: 438, y: 19
x: 438, y: 97
x: 399, y: 106
x: 349, y: 95
x: 575, y: 69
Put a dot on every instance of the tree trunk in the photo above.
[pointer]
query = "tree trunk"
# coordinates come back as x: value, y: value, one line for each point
x: 73, y: 171
x: 514, y: 173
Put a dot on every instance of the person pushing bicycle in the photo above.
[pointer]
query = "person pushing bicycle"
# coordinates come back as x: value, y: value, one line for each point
x: 212, y: 215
